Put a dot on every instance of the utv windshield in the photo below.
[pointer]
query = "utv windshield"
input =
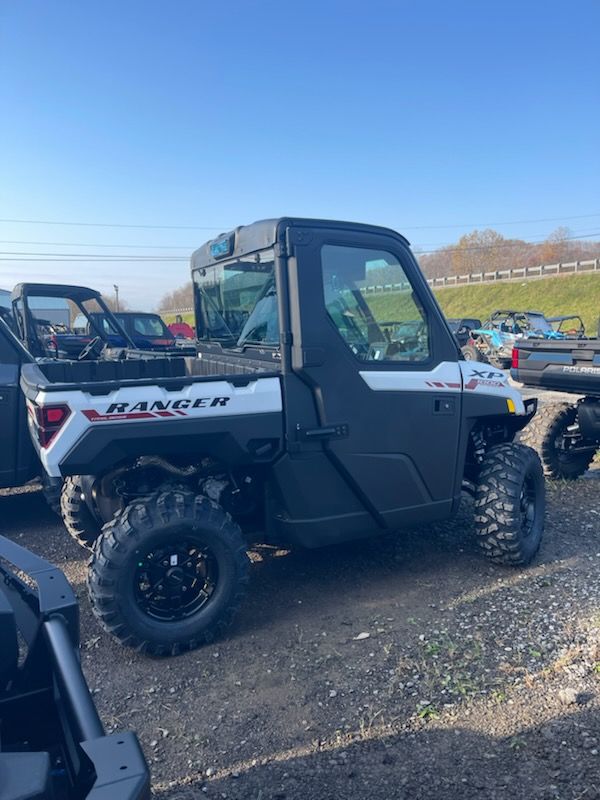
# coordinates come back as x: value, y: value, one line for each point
x: 236, y: 301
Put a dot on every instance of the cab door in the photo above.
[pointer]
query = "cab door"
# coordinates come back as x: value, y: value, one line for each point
x: 371, y: 342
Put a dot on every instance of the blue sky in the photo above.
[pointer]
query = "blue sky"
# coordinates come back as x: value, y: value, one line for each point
x: 188, y: 113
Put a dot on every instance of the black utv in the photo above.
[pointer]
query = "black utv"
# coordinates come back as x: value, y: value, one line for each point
x: 305, y: 419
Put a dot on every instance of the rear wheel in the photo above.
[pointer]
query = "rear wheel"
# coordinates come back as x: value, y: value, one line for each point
x: 51, y: 488
x: 77, y: 517
x: 168, y: 573
x: 554, y: 433
x: 510, y: 504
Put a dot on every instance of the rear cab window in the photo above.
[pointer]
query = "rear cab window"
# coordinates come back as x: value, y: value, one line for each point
x: 237, y: 302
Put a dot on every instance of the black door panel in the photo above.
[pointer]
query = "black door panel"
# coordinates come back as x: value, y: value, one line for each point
x: 401, y: 442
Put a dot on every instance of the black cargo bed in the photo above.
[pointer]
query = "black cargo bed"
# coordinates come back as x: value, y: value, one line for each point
x: 563, y: 366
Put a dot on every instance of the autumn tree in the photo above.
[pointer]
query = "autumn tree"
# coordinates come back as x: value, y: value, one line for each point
x: 556, y: 247
x: 111, y: 302
x: 180, y: 298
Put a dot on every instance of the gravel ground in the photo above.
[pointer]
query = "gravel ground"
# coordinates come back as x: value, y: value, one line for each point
x: 407, y: 667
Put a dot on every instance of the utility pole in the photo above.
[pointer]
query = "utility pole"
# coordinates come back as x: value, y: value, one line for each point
x: 116, y: 288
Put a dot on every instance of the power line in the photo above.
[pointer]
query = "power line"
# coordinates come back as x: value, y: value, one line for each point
x: 94, y: 256
x: 19, y: 255
x: 576, y: 234
x: 98, y: 260
x: 99, y: 244
x: 225, y: 228
x: 188, y: 248
x: 486, y: 224
x: 502, y: 245
x: 115, y: 225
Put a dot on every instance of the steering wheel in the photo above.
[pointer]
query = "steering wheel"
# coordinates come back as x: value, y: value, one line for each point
x: 89, y: 348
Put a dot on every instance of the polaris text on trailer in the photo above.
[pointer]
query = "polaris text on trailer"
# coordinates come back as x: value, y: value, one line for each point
x: 303, y: 420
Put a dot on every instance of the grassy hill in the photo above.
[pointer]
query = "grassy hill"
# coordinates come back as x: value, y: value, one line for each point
x: 570, y: 294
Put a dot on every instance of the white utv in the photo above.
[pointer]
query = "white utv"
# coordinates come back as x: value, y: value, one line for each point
x: 304, y: 419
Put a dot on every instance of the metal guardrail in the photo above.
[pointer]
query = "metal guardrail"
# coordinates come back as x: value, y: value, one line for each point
x: 513, y: 274
x: 471, y: 278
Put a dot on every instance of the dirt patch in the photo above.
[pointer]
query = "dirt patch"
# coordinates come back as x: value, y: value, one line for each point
x: 403, y: 667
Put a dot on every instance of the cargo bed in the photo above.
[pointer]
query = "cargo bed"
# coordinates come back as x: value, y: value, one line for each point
x: 563, y: 366
x: 105, y: 412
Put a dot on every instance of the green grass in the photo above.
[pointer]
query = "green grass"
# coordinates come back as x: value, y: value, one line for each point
x: 572, y: 294
x: 169, y: 318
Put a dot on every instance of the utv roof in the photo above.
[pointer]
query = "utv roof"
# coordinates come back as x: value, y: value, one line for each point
x: 263, y: 234
x: 65, y: 290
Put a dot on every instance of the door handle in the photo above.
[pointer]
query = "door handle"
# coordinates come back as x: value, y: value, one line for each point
x: 444, y: 406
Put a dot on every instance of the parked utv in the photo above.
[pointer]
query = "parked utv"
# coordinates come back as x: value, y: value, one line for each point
x: 147, y: 331
x: 566, y: 435
x: 53, y: 745
x: 61, y: 321
x: 462, y: 327
x: 299, y: 422
x: 493, y: 342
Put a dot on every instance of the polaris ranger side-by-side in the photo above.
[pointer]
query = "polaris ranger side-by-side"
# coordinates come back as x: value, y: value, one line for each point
x: 302, y: 420
x: 566, y: 435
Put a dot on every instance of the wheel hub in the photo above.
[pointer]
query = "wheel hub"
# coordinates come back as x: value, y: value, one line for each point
x: 175, y: 577
x: 175, y: 581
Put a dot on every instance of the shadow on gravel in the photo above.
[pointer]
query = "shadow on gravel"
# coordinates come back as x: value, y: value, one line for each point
x: 558, y: 759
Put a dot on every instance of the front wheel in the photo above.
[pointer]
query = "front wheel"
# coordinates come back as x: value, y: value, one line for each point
x: 510, y: 504
x: 168, y: 573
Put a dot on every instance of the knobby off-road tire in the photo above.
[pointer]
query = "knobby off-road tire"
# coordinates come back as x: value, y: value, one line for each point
x: 471, y: 353
x: 148, y: 553
x: 51, y: 489
x: 510, y: 504
x: 77, y: 517
x: 544, y: 434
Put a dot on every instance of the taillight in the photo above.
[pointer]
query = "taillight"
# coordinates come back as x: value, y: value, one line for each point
x: 50, y: 420
x: 515, y: 358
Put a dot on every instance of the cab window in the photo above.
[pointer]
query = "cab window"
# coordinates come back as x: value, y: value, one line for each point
x: 375, y: 325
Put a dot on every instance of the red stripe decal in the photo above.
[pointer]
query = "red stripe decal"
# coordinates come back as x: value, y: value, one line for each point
x: 94, y: 416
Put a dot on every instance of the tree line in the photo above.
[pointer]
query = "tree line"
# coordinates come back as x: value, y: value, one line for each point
x: 488, y: 251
